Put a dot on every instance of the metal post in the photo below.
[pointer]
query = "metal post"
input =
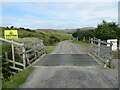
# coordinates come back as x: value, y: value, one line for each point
x: 24, y: 62
x: 13, y: 54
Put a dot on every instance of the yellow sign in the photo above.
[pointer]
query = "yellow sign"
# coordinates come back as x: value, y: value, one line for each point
x: 11, y: 34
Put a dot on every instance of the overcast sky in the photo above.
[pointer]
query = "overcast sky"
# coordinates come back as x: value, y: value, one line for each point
x: 58, y: 15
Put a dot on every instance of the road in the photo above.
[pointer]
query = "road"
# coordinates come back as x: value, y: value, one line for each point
x: 66, y: 48
x: 68, y: 66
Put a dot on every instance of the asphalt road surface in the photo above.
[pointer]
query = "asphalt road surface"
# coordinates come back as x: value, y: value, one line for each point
x: 68, y: 67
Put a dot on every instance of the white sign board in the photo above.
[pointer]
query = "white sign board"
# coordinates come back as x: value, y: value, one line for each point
x: 114, y: 42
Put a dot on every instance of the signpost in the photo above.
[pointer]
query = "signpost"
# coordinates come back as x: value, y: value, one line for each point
x: 11, y: 34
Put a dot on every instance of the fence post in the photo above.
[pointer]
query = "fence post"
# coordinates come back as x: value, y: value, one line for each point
x: 13, y: 54
x: 24, y: 62
x: 99, y: 47
x: 91, y: 42
x: 6, y: 55
x: 94, y: 39
x: 83, y: 39
x: 35, y: 45
x: 43, y: 48
x: 119, y: 45
x: 89, y: 39
x: 77, y: 38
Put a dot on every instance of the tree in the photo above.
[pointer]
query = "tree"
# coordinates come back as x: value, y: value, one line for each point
x: 107, y: 30
x: 11, y: 27
x: 83, y: 34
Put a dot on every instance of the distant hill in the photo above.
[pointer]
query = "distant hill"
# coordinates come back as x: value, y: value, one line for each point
x: 64, y: 31
x: 88, y: 28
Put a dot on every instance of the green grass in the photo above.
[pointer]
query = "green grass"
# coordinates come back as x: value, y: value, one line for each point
x: 18, y: 79
x: 49, y: 49
x: 81, y: 42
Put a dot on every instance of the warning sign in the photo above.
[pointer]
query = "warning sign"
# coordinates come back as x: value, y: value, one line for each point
x: 11, y: 34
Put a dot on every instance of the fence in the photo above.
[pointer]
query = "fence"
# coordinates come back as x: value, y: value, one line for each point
x: 23, y: 55
x: 101, y: 51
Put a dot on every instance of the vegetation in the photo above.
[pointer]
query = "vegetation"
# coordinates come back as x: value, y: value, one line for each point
x: 83, y: 34
x: 49, y: 49
x: 16, y: 80
x: 81, y: 42
x: 107, y: 30
x: 104, y: 31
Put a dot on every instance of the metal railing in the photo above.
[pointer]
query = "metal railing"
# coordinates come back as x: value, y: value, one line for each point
x: 27, y: 54
x: 100, y: 50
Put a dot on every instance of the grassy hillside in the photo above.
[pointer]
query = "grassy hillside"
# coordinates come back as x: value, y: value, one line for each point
x: 49, y: 38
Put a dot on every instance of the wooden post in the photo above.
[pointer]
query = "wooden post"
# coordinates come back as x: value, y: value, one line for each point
x: 13, y: 54
x: 43, y: 48
x: 89, y: 39
x: 35, y: 45
x: 24, y: 62
x: 110, y: 47
x: 93, y: 39
x: 28, y: 59
x: 77, y: 38
x: 6, y: 55
x: 119, y: 45
x: 83, y: 39
x: 99, y: 47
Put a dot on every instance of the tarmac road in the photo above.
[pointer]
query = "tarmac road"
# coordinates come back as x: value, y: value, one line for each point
x: 58, y: 71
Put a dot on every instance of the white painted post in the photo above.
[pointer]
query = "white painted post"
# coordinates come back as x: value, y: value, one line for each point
x: 13, y: 54
x: 24, y: 62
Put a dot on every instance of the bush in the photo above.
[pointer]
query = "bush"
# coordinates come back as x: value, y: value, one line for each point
x: 103, y: 31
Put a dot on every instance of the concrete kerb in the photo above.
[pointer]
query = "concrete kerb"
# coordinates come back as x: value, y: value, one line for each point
x: 97, y: 60
x: 38, y: 60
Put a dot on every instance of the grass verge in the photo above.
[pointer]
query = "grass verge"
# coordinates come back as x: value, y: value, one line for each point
x: 18, y: 79
x: 81, y: 42
x: 49, y: 49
